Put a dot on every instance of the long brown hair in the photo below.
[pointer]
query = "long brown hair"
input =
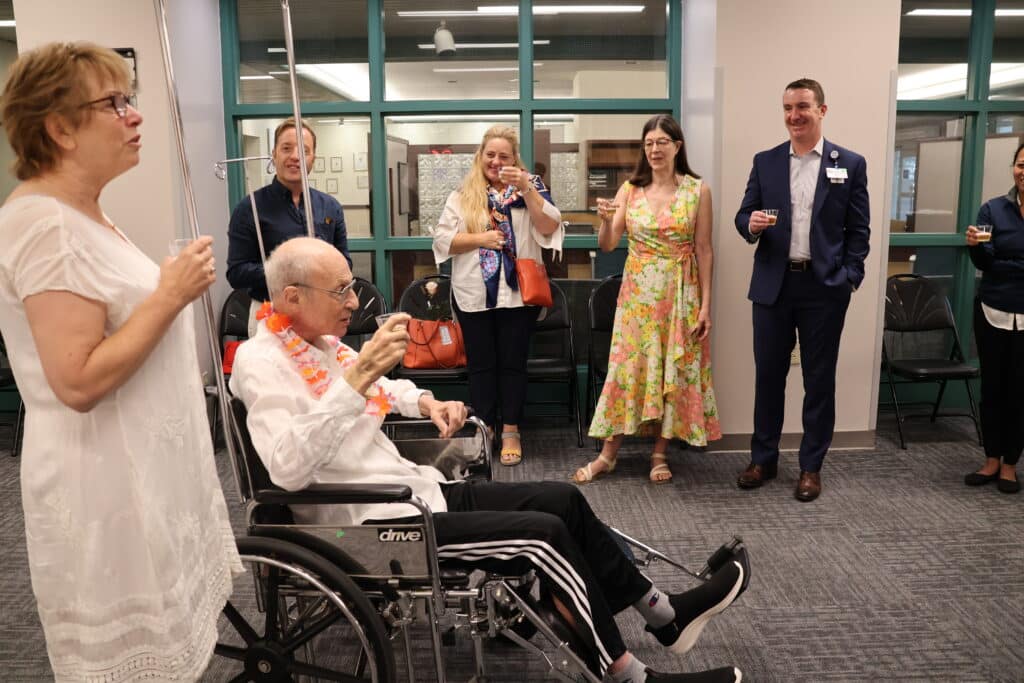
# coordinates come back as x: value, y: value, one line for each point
x: 667, y: 124
x: 473, y: 193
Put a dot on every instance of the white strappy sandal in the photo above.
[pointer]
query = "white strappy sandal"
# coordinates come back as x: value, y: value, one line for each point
x: 585, y: 475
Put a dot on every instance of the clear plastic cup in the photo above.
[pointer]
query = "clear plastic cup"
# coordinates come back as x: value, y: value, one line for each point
x: 773, y: 215
x: 984, y: 232
x: 382, y: 318
x: 176, y: 246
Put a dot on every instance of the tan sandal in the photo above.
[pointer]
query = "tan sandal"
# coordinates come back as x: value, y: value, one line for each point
x: 510, y: 455
x: 660, y: 473
x: 585, y: 475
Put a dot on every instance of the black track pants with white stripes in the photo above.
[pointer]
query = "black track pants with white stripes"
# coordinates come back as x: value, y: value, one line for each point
x: 548, y: 526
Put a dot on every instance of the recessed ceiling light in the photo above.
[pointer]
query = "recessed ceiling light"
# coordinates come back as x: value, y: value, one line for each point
x: 482, y: 46
x: 513, y: 10
x: 349, y: 80
x: 6, y: 23
x: 276, y: 49
x: 256, y: 78
x: 475, y: 69
x: 938, y: 12
x: 951, y: 79
x: 423, y: 118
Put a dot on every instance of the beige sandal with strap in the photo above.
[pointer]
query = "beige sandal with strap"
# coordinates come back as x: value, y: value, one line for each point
x: 660, y: 473
x: 585, y: 475
x: 511, y: 455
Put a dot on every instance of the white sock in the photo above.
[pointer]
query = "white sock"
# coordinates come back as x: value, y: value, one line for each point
x: 655, y: 608
x: 633, y: 672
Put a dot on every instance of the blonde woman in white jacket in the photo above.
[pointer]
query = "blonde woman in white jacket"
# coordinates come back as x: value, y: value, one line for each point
x: 501, y: 213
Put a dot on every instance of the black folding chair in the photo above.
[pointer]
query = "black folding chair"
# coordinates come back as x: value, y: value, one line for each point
x: 429, y: 298
x: 553, y: 357
x: 364, y: 319
x: 601, y: 313
x: 6, y: 384
x: 233, y: 326
x: 915, y: 308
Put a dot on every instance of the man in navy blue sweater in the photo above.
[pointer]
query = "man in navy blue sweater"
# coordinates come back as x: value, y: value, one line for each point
x: 282, y: 214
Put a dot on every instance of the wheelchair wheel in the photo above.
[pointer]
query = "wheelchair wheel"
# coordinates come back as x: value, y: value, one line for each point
x: 296, y: 616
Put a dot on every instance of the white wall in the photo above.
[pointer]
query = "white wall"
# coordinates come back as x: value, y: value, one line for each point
x: 760, y: 47
x: 699, y: 109
x: 148, y: 201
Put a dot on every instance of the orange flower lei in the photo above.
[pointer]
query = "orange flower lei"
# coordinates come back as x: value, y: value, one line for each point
x: 307, y: 361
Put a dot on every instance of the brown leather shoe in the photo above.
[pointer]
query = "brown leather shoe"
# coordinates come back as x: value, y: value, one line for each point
x: 809, y: 486
x: 756, y: 475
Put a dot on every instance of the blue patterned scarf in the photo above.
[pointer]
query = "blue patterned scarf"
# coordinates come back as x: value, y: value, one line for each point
x: 492, y: 261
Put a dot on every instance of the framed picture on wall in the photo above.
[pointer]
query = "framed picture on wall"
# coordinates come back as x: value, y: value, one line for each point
x: 318, y: 165
x: 363, y: 182
x: 332, y: 186
x: 402, y: 187
x: 359, y: 161
x: 336, y: 165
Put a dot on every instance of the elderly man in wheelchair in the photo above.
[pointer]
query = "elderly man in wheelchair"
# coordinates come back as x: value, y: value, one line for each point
x: 314, y: 414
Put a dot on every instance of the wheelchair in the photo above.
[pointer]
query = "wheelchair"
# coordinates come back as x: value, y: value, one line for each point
x: 328, y: 603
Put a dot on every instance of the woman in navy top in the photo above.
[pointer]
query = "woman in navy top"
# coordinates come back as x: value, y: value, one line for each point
x: 999, y: 332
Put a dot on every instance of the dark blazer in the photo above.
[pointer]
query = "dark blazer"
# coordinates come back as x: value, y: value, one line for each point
x: 839, y: 221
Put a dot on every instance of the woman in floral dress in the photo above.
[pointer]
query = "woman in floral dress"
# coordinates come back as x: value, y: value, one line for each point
x: 659, y: 366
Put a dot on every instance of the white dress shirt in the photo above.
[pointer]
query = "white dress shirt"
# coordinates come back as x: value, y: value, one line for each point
x: 803, y: 180
x: 467, y: 279
x: 1003, y: 320
x: 303, y: 440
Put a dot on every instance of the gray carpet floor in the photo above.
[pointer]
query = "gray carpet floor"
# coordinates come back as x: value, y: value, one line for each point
x: 898, y: 571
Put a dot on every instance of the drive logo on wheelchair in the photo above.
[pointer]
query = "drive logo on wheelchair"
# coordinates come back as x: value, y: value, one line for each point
x: 390, y: 535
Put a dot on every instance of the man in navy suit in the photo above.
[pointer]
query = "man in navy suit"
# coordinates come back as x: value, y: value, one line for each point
x: 807, y: 263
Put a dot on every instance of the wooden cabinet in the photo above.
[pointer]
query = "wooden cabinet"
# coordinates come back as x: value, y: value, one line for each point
x: 609, y: 164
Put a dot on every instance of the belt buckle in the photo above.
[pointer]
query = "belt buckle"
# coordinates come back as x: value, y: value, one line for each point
x: 798, y: 266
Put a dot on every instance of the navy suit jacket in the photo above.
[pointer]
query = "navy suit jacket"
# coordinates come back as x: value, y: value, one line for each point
x: 839, y: 221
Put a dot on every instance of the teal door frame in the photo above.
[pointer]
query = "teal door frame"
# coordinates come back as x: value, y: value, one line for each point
x: 381, y: 242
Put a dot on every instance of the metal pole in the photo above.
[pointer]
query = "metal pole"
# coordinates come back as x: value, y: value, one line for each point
x: 300, y: 136
x: 220, y: 170
x: 193, y: 221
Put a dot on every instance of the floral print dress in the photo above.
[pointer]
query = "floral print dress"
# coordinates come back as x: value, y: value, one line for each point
x: 659, y: 373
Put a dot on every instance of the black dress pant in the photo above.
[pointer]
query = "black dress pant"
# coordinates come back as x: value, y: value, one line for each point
x: 817, y: 313
x: 497, y: 346
x: 511, y: 528
x: 1001, y: 353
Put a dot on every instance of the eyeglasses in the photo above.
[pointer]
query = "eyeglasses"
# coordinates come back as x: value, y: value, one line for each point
x: 119, y: 101
x: 338, y: 294
x: 660, y: 142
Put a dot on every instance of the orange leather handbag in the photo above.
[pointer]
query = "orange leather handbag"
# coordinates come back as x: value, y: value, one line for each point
x: 533, y: 282
x: 435, y: 344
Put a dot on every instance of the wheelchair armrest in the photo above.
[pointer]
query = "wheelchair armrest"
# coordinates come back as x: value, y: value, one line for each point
x: 337, y: 494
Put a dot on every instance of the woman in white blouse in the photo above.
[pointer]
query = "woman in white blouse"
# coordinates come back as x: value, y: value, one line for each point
x: 129, y: 544
x: 500, y: 213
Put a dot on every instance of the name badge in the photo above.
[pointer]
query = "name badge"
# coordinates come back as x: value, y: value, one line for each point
x: 836, y: 175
